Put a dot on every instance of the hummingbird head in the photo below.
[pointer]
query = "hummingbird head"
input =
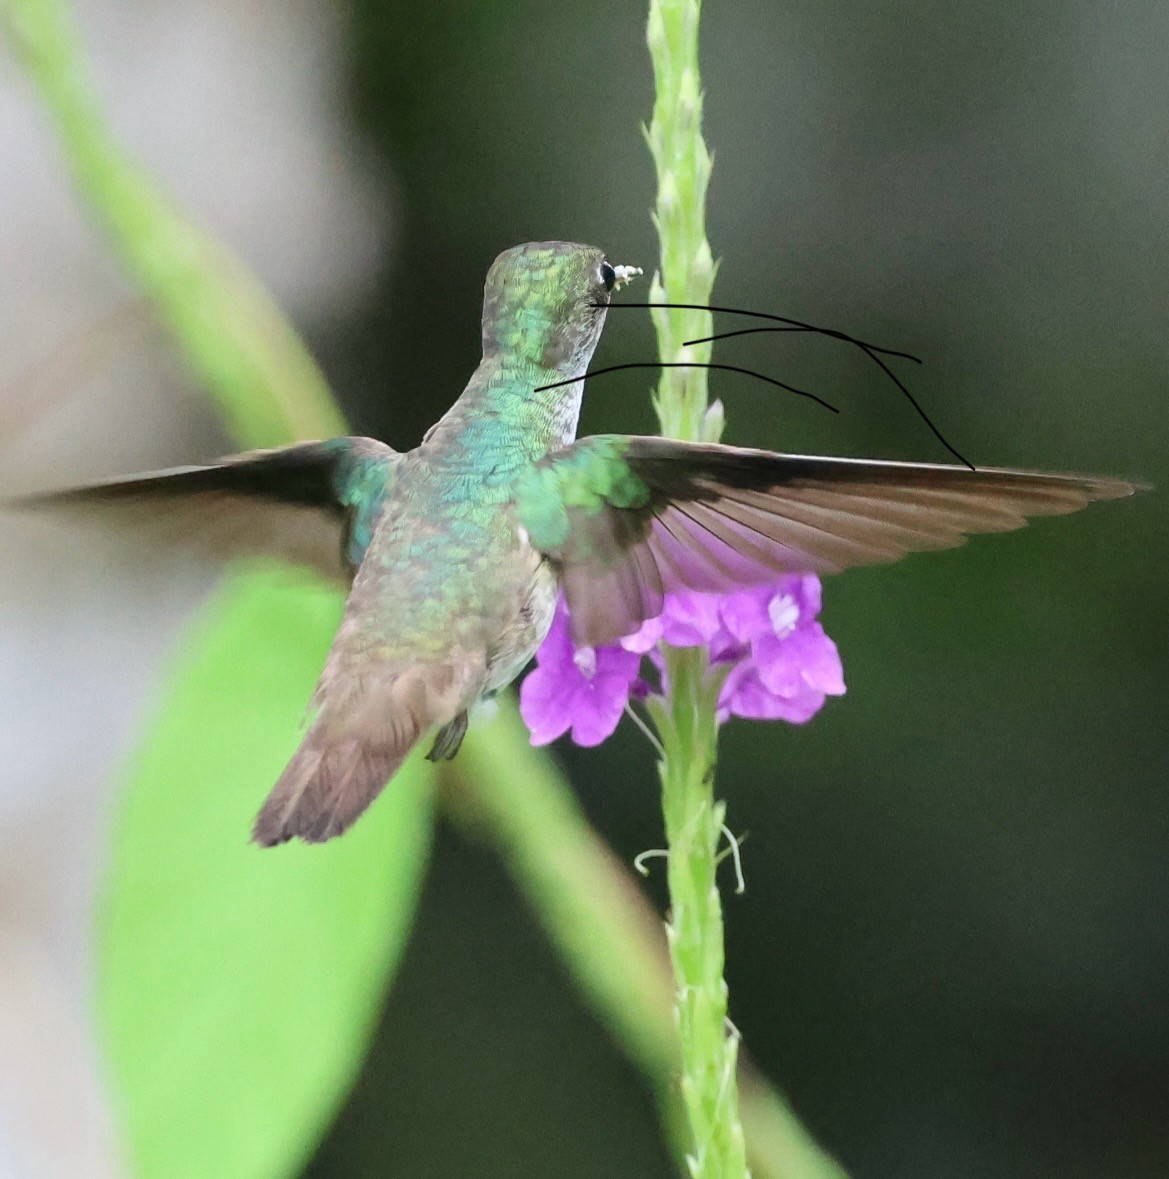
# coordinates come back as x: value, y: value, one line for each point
x: 545, y: 302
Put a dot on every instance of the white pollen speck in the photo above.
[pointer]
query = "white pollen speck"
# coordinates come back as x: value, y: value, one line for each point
x: 784, y: 613
x: 625, y: 274
x: 522, y: 533
x: 585, y: 659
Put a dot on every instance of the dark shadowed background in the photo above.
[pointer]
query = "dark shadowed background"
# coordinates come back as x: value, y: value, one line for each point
x: 952, y: 952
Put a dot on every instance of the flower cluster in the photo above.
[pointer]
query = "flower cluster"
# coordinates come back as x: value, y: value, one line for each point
x: 777, y: 661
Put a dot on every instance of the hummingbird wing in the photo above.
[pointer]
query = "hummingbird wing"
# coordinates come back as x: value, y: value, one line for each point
x: 313, y: 505
x: 629, y: 519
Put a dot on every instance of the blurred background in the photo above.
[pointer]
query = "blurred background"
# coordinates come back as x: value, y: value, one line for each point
x: 952, y: 953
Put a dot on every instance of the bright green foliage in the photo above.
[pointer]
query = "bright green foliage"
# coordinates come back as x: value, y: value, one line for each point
x: 238, y: 987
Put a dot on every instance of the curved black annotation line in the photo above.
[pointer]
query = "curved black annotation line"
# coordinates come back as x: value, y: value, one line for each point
x: 920, y: 412
x: 740, y: 332
x: 873, y: 351
x: 795, y: 324
x: 730, y: 368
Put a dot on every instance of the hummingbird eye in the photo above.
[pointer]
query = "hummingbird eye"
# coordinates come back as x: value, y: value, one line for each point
x: 608, y: 275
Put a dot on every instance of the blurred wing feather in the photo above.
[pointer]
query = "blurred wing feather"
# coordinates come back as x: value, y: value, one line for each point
x: 298, y: 503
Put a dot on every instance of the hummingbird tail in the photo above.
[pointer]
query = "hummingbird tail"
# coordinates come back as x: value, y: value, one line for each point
x: 364, y: 730
x: 327, y: 785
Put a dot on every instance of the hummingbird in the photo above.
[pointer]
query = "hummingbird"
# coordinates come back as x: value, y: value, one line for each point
x: 454, y: 553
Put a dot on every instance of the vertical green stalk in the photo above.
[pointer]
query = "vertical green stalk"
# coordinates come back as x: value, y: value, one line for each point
x: 683, y: 167
x: 686, y: 718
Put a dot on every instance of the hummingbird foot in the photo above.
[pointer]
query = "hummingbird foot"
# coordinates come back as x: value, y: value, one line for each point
x: 448, y: 739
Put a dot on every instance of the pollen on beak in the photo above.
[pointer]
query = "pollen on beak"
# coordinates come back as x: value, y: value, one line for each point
x: 625, y: 274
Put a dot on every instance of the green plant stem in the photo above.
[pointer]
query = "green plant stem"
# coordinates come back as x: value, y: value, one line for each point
x: 686, y: 718
x: 505, y: 793
x: 694, y: 821
x: 683, y: 168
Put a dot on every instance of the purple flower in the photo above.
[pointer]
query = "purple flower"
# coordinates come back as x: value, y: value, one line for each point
x: 782, y: 666
x: 583, y: 690
x: 789, y: 665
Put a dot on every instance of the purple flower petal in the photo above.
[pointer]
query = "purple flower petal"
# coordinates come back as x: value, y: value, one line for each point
x: 808, y: 591
x: 597, y: 708
x: 688, y: 619
x: 616, y: 661
x: 792, y: 664
x: 557, y: 648
x: 744, y: 694
x: 744, y: 614
x: 584, y: 690
x: 772, y: 608
x: 691, y: 619
x: 805, y: 656
x: 645, y: 638
x: 545, y: 705
x: 783, y: 612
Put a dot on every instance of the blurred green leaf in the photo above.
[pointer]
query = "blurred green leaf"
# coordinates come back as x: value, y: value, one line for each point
x: 227, y: 326
x: 238, y: 987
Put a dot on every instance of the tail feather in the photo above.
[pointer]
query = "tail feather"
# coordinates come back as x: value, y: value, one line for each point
x: 327, y: 785
x: 365, y: 727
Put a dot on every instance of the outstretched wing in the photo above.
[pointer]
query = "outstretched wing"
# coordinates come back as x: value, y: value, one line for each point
x: 631, y: 518
x: 314, y: 504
